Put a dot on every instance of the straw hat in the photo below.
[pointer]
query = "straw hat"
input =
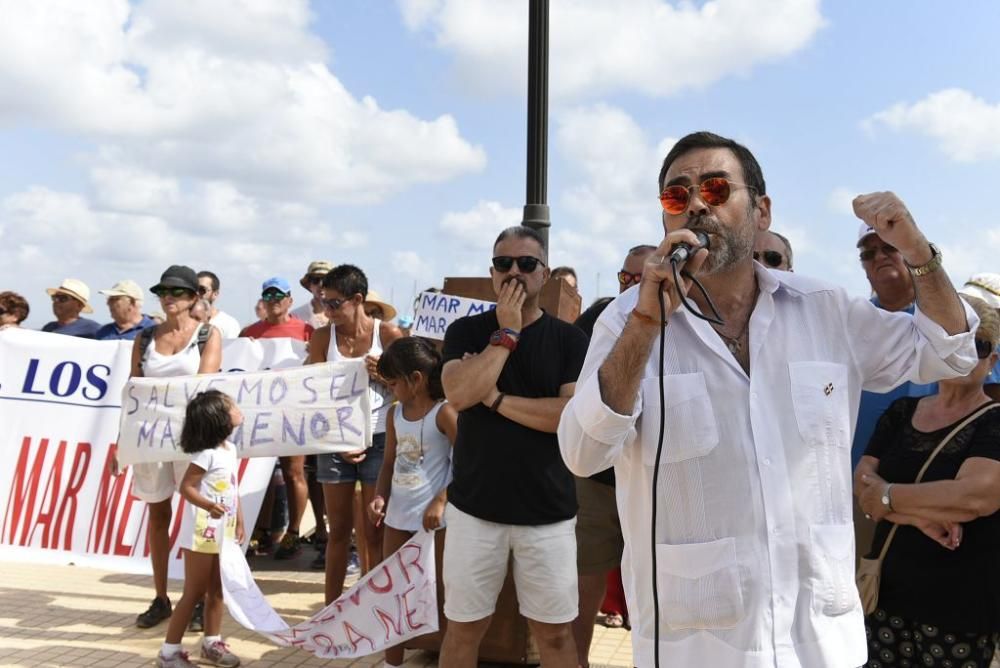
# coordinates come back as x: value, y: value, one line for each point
x: 984, y: 286
x: 388, y: 311
x: 76, y: 289
x: 316, y: 268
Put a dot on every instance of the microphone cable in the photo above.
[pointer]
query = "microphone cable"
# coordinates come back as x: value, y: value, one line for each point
x: 715, y: 318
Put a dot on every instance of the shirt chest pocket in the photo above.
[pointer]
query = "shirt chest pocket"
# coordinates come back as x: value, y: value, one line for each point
x: 690, y: 429
x: 820, y: 402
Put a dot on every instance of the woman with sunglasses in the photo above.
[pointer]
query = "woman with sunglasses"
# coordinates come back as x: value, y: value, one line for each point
x: 352, y: 333
x: 180, y: 346
x: 939, y: 595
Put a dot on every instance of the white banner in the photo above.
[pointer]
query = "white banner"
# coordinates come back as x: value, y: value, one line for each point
x: 297, y: 411
x: 436, y: 311
x: 395, y: 601
x: 59, y: 415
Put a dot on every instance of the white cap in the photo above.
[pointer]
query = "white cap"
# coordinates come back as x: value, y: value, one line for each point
x: 126, y: 288
x: 864, y: 231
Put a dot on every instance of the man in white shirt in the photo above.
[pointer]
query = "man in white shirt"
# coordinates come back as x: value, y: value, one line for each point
x: 208, y: 288
x: 754, y: 558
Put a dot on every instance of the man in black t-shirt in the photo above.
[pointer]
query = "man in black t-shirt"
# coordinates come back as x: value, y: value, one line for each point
x: 510, y: 372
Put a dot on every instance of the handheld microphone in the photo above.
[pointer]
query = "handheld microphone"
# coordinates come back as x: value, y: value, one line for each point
x: 683, y: 251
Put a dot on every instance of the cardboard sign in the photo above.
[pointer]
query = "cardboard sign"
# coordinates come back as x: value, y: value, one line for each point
x: 436, y: 311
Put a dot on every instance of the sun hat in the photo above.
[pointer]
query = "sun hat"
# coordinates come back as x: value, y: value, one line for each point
x: 316, y: 268
x: 388, y: 311
x: 177, y: 276
x: 984, y: 286
x: 126, y: 288
x: 76, y: 289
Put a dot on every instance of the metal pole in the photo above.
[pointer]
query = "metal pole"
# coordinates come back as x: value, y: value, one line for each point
x: 536, y: 208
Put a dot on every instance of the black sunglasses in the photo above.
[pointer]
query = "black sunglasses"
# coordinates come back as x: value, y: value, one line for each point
x: 526, y: 263
x: 868, y: 254
x: 273, y: 296
x: 335, y: 303
x: 173, y: 292
x: 315, y: 279
x: 202, y: 290
x: 983, y: 349
x: 770, y: 257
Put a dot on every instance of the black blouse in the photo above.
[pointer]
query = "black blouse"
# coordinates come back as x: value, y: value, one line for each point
x: 921, y: 580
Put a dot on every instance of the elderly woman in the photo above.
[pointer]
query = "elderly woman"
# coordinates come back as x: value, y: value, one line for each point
x: 939, y: 597
x: 13, y: 309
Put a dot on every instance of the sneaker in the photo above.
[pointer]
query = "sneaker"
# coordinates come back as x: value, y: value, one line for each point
x: 353, y: 564
x: 261, y: 543
x: 289, y: 548
x: 197, y: 623
x: 179, y: 660
x: 158, y: 611
x: 218, y: 654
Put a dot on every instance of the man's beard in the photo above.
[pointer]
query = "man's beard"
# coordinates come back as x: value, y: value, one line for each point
x: 729, y: 246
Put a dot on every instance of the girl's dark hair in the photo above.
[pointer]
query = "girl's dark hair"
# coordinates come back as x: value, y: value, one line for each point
x: 207, y: 421
x: 409, y: 354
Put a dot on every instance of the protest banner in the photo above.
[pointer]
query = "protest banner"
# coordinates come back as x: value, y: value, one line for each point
x: 395, y: 601
x: 436, y: 311
x: 59, y: 416
x: 298, y: 411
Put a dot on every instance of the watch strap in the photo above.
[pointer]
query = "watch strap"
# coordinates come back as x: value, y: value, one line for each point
x: 930, y: 266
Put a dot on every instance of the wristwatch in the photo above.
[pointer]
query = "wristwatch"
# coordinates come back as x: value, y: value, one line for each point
x: 886, y: 499
x: 931, y: 265
x: 505, y: 337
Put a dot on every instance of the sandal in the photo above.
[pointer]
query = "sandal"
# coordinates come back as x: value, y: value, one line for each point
x: 614, y: 620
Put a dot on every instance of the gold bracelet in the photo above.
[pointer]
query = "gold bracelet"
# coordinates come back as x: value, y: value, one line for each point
x: 642, y: 317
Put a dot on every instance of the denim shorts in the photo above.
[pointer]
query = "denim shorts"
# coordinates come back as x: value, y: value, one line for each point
x: 331, y: 468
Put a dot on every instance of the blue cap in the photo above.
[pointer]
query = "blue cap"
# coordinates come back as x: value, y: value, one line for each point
x: 277, y: 283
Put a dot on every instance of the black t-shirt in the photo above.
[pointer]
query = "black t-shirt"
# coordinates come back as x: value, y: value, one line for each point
x: 505, y: 472
x: 921, y: 580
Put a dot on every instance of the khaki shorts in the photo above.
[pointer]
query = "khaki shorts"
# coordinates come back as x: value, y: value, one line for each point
x: 157, y: 481
x: 476, y: 553
x: 599, y: 540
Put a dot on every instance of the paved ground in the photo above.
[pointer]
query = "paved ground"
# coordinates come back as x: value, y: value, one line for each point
x: 69, y: 616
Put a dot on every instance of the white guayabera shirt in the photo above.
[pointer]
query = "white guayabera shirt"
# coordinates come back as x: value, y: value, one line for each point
x: 754, y: 538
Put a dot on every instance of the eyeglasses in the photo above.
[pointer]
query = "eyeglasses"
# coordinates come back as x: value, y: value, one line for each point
x: 202, y: 290
x: 983, y: 349
x: 315, y: 279
x: 173, y: 292
x: 273, y: 296
x: 335, y: 303
x: 60, y: 298
x: 628, y: 278
x: 714, y: 191
x: 868, y: 254
x: 771, y: 258
x: 526, y: 263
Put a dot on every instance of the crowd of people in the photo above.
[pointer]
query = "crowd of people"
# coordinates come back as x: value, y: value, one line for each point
x: 685, y: 446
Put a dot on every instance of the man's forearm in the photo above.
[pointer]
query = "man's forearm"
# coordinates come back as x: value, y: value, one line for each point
x: 467, y: 381
x: 540, y: 414
x: 621, y: 372
x: 938, y: 300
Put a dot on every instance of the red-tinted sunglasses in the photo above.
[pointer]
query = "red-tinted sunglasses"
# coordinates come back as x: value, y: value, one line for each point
x: 713, y: 191
x: 628, y: 278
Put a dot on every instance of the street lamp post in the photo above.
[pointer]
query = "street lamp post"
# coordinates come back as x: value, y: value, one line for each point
x: 536, y: 208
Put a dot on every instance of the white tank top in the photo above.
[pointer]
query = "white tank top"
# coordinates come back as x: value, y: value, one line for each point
x: 377, y: 393
x: 184, y: 363
x: 422, y: 468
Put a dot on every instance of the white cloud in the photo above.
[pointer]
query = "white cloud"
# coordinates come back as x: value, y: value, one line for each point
x: 841, y: 200
x: 651, y: 46
x: 965, y: 127
x: 613, y: 205
x: 168, y: 88
x: 477, y: 228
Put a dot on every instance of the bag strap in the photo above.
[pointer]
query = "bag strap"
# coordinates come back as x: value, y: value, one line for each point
x: 923, y: 469
x: 145, y: 336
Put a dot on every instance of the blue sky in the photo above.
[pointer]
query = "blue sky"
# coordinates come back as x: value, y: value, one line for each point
x: 250, y: 137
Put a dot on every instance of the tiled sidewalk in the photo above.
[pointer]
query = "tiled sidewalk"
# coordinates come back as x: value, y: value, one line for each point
x: 69, y: 616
